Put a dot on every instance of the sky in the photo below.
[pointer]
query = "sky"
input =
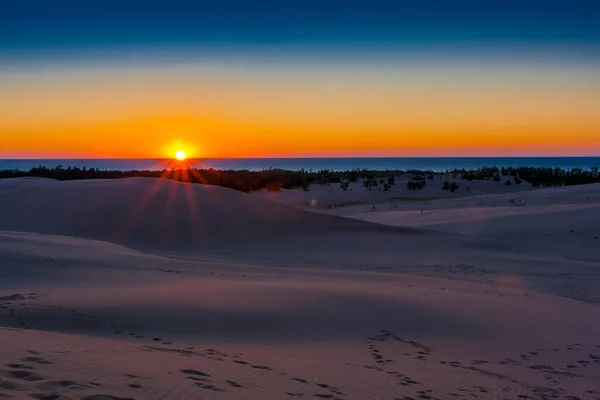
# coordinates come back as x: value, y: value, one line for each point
x: 312, y: 78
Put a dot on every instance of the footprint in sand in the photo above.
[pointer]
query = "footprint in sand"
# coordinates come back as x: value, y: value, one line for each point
x: 193, y: 372
x: 7, y: 385
x: 262, y: 367
x: 135, y: 386
x: 19, y: 366
x: 24, y: 375
x: 197, y: 379
x: 54, y: 386
x: 203, y: 383
x: 42, y: 396
x: 209, y: 387
x: 37, y: 360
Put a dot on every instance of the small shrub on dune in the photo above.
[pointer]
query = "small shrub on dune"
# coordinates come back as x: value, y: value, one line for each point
x: 469, y: 176
x: 370, y: 183
x: 416, y: 184
x: 451, y: 187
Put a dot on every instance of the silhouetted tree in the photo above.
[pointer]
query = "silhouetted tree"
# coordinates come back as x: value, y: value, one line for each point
x: 276, y: 179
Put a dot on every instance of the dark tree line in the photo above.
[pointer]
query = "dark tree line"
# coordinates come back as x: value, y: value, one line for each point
x: 553, y: 176
x: 536, y: 176
x: 276, y: 179
x: 242, y: 180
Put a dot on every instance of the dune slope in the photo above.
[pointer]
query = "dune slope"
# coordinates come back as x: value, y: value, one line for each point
x: 157, y: 215
x: 83, y: 318
x: 147, y: 289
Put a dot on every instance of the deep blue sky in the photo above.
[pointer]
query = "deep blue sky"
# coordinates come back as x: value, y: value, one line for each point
x: 297, y: 78
x: 30, y: 25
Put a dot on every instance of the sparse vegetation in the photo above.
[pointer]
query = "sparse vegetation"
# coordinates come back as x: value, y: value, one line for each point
x: 480, y: 174
x: 276, y: 179
x: 391, y: 180
x: 544, y: 177
x: 416, y: 183
x: 370, y: 183
x: 242, y: 180
x: 451, y: 187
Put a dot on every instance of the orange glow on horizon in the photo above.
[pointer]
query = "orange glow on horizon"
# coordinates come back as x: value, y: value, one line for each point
x: 120, y: 114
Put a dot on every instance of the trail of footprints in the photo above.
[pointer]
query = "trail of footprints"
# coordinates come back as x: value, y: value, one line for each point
x: 382, y: 363
x: 419, y: 352
x: 502, y: 370
x: 25, y: 370
x: 8, y: 302
x: 204, y: 380
x: 23, y: 375
x: 22, y: 370
x: 69, y: 264
x: 195, y: 273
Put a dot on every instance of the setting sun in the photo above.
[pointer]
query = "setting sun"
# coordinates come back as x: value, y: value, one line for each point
x: 180, y: 155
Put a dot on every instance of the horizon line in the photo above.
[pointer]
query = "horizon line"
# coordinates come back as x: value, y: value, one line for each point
x: 292, y: 158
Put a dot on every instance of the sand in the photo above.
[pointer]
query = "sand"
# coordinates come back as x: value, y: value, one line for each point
x: 151, y: 289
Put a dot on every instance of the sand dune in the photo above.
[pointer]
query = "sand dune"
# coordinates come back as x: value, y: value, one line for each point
x: 165, y: 217
x: 145, y: 289
x: 561, y: 221
x: 157, y: 215
x: 269, y: 330
x: 357, y: 197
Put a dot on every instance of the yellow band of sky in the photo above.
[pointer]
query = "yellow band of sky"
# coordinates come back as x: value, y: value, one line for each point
x: 375, y: 110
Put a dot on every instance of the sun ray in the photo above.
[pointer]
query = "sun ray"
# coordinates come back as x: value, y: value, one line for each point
x: 135, y: 214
